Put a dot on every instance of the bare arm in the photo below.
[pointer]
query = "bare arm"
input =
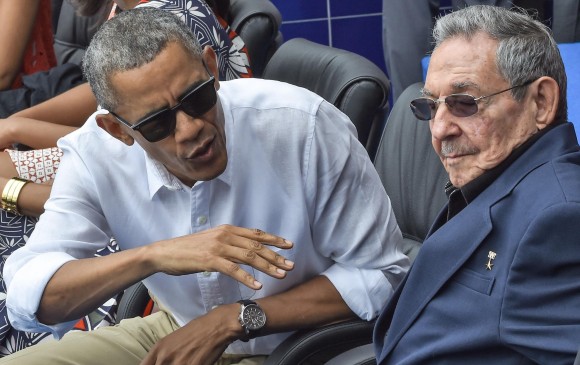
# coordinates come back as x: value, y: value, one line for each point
x: 79, y: 286
x: 32, y: 196
x: 71, y: 108
x: 312, y: 304
x: 17, y: 22
x: 308, y: 305
x: 30, y: 132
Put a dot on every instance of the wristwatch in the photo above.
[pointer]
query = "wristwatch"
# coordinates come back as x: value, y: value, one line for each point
x: 252, y: 318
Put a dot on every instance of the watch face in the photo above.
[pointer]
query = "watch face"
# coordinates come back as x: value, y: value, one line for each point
x: 254, y: 318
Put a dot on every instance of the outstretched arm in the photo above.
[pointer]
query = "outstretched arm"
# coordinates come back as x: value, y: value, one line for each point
x: 42, y: 125
x: 71, y: 108
x: 79, y: 286
x: 31, y: 132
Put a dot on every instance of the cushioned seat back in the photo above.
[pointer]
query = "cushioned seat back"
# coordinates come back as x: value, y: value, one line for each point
x: 257, y: 22
x: 411, y: 171
x: 352, y: 83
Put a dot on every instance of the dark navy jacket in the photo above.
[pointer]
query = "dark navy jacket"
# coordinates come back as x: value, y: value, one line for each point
x: 452, y: 309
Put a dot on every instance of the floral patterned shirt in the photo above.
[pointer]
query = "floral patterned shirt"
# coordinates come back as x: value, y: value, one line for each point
x: 233, y: 60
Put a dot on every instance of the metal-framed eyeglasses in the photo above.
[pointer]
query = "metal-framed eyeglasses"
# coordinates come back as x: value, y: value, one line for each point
x: 460, y: 105
x: 195, y: 102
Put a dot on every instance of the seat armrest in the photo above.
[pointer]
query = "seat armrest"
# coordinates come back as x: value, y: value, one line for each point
x: 135, y: 302
x: 362, y: 355
x: 321, y: 344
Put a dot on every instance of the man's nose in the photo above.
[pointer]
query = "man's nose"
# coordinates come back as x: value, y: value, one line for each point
x: 444, y: 125
x: 187, y: 128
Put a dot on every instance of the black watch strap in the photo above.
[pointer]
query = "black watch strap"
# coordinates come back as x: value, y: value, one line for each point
x: 249, y: 334
x: 247, y: 302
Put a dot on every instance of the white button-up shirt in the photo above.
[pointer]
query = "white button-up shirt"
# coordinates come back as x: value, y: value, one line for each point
x: 295, y: 169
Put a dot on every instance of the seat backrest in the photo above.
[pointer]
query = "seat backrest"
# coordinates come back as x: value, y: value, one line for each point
x: 351, y: 82
x: 411, y: 171
x: 257, y: 22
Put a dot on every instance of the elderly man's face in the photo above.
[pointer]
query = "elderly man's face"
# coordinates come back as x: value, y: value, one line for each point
x: 196, y: 151
x: 468, y: 146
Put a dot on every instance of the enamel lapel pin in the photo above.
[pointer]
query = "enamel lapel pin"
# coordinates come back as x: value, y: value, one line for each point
x: 490, y: 257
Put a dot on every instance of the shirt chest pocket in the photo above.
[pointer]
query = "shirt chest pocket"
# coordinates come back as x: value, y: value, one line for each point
x: 475, y: 281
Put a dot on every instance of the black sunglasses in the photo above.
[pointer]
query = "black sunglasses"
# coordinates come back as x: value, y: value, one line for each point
x: 197, y: 101
x: 460, y: 105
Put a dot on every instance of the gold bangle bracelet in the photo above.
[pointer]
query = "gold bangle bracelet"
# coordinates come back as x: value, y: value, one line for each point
x: 7, y: 192
x: 12, y: 199
x: 8, y: 195
x: 11, y: 193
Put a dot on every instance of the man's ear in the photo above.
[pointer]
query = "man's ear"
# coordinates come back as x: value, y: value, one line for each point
x: 210, y: 59
x: 112, y: 126
x: 546, y: 96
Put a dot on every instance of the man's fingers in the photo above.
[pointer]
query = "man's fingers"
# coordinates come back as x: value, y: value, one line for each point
x: 256, y: 249
x: 255, y: 245
x: 270, y: 239
x: 263, y: 260
x: 261, y: 236
x: 243, y: 246
x: 234, y: 270
x: 257, y: 241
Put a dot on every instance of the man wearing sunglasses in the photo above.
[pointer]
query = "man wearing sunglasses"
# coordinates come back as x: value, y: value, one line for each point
x: 248, y: 208
x: 497, y: 280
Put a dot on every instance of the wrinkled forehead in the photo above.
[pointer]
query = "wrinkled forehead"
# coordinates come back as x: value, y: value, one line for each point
x: 462, y: 64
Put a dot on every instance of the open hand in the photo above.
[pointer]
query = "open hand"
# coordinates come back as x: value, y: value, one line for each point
x: 223, y: 249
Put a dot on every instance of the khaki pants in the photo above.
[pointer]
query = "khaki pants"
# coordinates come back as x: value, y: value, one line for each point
x: 124, y: 344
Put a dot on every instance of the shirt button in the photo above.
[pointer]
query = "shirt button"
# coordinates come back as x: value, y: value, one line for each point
x: 202, y: 219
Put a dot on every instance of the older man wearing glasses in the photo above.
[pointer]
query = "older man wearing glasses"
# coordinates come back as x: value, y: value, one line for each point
x: 497, y: 280
x: 248, y: 212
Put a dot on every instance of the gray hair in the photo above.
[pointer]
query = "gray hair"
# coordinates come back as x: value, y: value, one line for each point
x: 128, y: 41
x: 526, y: 49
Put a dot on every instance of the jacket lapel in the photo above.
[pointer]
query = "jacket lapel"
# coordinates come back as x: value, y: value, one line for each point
x: 439, y: 258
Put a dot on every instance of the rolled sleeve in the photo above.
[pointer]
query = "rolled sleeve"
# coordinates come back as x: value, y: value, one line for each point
x: 364, y: 291
x: 353, y: 222
x: 26, y: 275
